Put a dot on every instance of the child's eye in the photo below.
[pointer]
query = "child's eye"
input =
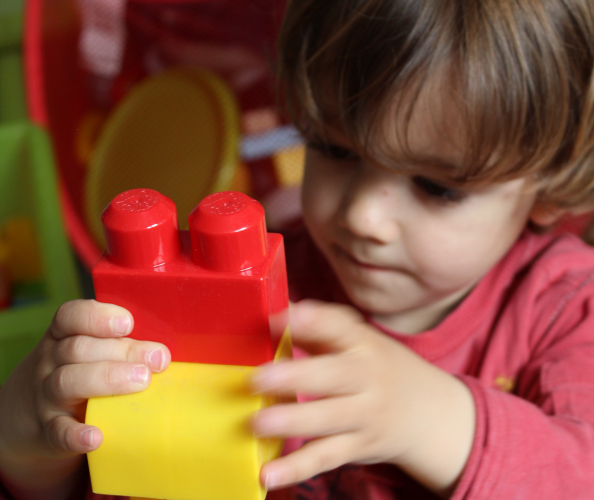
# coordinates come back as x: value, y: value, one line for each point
x: 333, y: 151
x: 438, y: 191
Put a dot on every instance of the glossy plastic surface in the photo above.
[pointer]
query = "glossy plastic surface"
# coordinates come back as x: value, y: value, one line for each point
x: 228, y: 232
x: 184, y: 300
x: 141, y: 229
x: 186, y: 437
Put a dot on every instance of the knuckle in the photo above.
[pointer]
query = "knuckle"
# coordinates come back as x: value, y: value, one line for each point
x: 115, y: 378
x: 41, y: 359
x: 96, y: 322
x: 56, y: 385
x: 135, y: 351
x: 74, y: 315
x: 44, y: 348
x: 91, y: 321
x: 76, y: 347
x: 62, y: 312
x: 50, y: 432
x: 54, y: 434
x: 109, y: 376
x: 346, y: 312
x: 60, y: 436
x: 323, y: 461
x: 368, y: 440
x: 43, y: 412
x: 298, y: 472
x: 60, y: 318
x: 334, y: 312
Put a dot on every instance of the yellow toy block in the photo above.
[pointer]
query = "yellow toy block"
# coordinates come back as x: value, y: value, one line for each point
x: 187, y: 437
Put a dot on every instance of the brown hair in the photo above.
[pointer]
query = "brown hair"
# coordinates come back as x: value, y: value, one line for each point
x: 523, y: 77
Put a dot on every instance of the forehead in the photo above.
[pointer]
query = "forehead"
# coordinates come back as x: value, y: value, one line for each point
x: 423, y: 126
x: 419, y: 128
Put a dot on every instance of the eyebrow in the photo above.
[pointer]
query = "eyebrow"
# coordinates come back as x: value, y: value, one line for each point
x: 423, y: 164
x: 439, y: 163
x: 438, y: 166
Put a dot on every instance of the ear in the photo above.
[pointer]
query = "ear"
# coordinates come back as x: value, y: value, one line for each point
x: 545, y: 214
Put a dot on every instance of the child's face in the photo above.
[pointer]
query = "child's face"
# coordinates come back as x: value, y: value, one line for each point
x: 405, y: 246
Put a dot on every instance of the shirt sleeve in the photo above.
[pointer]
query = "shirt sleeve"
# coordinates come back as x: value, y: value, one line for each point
x: 539, y: 442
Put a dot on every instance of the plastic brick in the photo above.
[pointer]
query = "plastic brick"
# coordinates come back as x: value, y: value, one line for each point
x: 211, y: 297
x: 217, y: 296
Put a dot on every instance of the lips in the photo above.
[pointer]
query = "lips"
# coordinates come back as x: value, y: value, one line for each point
x: 342, y: 253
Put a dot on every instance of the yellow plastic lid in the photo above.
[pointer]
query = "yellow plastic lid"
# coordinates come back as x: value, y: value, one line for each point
x: 177, y: 133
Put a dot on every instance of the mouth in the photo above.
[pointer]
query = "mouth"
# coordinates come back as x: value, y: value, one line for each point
x: 341, y: 253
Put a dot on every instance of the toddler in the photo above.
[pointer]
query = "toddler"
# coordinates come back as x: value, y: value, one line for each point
x: 450, y: 348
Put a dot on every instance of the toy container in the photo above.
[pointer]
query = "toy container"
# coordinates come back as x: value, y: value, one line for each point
x: 91, y: 69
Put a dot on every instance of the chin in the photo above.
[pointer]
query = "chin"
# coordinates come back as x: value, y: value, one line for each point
x: 374, y: 301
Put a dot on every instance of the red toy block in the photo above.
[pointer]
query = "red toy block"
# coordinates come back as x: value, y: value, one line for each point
x: 214, y: 294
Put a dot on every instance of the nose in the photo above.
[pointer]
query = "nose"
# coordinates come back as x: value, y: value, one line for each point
x: 369, y: 210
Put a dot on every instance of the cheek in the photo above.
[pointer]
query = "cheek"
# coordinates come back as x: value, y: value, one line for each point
x: 321, y: 192
x: 459, y: 250
x: 448, y: 259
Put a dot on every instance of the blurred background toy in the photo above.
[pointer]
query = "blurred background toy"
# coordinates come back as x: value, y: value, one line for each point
x: 5, y: 279
x: 177, y: 96
x: 36, y: 263
x: 22, y: 260
x: 12, y: 92
x: 176, y: 132
x: 37, y: 268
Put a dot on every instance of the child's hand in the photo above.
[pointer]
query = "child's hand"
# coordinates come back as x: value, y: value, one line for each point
x: 42, y: 404
x: 377, y: 402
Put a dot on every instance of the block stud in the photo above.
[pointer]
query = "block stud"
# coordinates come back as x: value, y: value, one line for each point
x: 141, y: 229
x: 228, y: 232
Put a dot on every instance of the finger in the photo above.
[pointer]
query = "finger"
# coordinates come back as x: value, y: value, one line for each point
x: 323, y: 417
x: 89, y: 317
x: 327, y: 375
x: 69, y: 385
x: 317, y: 456
x: 68, y: 436
x: 85, y: 349
x: 319, y: 327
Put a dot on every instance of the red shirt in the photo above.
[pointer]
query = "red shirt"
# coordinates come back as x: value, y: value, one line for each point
x: 523, y: 342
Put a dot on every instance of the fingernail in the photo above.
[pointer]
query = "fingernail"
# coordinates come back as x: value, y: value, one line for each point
x: 156, y: 360
x: 86, y: 437
x: 139, y: 374
x: 121, y: 325
x: 272, y: 480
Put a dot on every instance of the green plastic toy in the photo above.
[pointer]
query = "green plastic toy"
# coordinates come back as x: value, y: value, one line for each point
x: 28, y: 190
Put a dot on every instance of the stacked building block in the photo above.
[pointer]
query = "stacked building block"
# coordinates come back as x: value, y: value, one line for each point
x: 217, y: 296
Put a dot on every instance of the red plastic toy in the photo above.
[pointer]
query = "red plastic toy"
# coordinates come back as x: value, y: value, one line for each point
x: 214, y: 294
